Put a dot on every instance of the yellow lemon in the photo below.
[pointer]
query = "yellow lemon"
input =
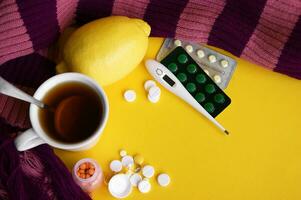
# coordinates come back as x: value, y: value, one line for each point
x: 106, y: 49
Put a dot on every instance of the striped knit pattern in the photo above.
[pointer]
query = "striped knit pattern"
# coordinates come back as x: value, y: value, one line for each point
x: 14, y: 37
x: 15, y: 112
x: 27, y: 75
x: 264, y: 32
x: 270, y: 36
x: 197, y: 19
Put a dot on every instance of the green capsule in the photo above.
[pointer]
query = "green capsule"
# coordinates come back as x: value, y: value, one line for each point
x: 182, y: 77
x: 210, y: 88
x: 209, y: 107
x: 219, y: 98
x: 201, y: 78
x: 200, y: 97
x: 191, y: 87
x: 173, y: 67
x: 191, y: 68
x: 182, y: 59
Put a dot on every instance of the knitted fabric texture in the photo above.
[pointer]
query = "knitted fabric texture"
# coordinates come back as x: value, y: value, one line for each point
x: 265, y: 32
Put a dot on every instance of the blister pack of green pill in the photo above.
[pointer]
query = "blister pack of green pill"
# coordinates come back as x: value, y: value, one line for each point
x: 196, y: 81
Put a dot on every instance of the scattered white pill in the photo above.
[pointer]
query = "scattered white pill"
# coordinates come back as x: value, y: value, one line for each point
x: 207, y: 72
x: 122, y: 153
x: 153, y: 99
x: 129, y: 95
x: 148, y: 171
x: 144, y: 186
x: 135, y: 179
x: 148, y: 84
x: 177, y: 43
x: 154, y: 91
x: 224, y: 63
x: 127, y: 161
x: 200, y: 53
x: 217, y: 78
x: 116, y: 166
x: 154, y: 94
x: 212, y: 58
x: 189, y: 48
x: 163, y: 180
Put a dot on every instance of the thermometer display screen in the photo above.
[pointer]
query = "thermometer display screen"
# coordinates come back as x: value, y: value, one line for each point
x: 168, y: 80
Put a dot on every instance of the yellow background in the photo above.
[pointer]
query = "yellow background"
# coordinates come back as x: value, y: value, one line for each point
x: 261, y: 159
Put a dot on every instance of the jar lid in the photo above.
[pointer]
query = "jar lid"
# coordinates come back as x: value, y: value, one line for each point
x: 120, y: 186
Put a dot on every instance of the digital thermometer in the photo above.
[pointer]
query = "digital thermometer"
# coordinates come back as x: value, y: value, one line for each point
x: 171, y: 83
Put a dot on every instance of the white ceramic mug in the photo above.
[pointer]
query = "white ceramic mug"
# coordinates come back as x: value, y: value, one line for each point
x: 36, y: 135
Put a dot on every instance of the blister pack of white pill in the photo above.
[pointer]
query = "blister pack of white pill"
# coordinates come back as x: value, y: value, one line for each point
x: 218, y: 66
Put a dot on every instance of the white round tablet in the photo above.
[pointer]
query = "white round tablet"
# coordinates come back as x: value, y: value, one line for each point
x: 212, y: 58
x: 217, y: 78
x: 122, y: 153
x: 135, y: 179
x: 148, y: 84
x: 200, y: 53
x: 177, y: 43
x: 189, y: 48
x: 224, y: 63
x: 163, y: 180
x: 144, y: 186
x: 154, y: 99
x: 129, y: 95
x: 148, y: 171
x: 154, y: 91
x: 127, y: 161
x: 116, y: 166
x: 120, y: 186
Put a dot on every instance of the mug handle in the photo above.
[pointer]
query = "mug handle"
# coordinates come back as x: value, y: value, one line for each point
x: 28, y: 140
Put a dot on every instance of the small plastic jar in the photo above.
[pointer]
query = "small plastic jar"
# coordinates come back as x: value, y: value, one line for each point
x: 87, y: 181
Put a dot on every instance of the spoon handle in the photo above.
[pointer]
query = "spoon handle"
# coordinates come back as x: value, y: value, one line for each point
x: 12, y: 91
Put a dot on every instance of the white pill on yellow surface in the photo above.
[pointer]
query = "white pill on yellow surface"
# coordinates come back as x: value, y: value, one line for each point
x: 148, y: 84
x: 148, y: 171
x: 153, y: 99
x: 154, y: 91
x: 122, y: 153
x: 144, y: 186
x: 163, y: 180
x: 116, y: 166
x: 129, y: 95
x: 135, y: 179
x: 127, y: 161
x: 154, y: 94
